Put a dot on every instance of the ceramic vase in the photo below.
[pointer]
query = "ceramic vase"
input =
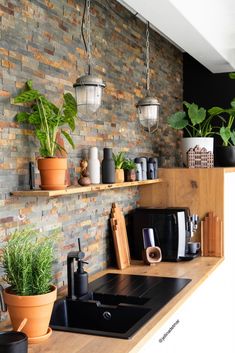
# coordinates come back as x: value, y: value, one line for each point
x: 108, y: 167
x: 94, y: 166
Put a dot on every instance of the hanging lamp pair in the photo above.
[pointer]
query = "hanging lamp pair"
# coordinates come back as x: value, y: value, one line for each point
x: 88, y: 88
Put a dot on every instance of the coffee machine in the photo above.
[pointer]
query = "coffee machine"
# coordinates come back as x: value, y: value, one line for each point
x: 172, y: 228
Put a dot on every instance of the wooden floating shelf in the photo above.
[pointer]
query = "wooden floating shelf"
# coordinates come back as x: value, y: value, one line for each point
x: 82, y: 189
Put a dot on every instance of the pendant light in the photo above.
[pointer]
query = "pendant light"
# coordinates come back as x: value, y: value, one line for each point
x: 148, y: 107
x: 88, y: 88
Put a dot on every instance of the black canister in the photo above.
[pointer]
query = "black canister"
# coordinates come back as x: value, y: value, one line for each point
x: 13, y: 342
x: 150, y: 171
x: 108, y: 167
x: 154, y: 161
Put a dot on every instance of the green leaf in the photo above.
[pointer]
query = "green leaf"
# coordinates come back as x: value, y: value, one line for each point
x: 196, y: 115
x: 232, y: 75
x: 26, y: 97
x: 178, y: 120
x: 187, y: 105
x: 34, y: 118
x: 70, y: 105
x: 41, y: 135
x: 216, y: 110
x: 22, y: 117
x: 232, y: 135
x: 225, y: 134
x: 44, y: 152
x: 68, y: 138
x: 29, y: 84
x: 233, y: 103
x: 70, y: 110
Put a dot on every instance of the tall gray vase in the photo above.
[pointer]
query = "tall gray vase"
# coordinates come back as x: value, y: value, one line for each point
x: 108, y: 167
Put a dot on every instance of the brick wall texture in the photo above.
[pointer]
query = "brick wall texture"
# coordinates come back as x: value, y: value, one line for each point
x: 41, y: 40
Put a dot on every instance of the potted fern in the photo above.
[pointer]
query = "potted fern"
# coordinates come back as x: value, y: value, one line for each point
x: 129, y: 167
x: 119, y: 172
x: 48, y: 120
x: 196, y: 126
x: 27, y: 263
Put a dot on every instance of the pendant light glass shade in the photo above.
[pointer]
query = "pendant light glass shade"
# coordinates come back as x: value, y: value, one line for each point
x: 88, y: 91
x: 148, y: 113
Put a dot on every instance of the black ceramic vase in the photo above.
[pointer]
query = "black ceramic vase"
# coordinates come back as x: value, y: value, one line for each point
x: 108, y: 167
x: 225, y: 156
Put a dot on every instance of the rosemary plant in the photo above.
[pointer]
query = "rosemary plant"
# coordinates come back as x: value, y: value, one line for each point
x: 27, y: 262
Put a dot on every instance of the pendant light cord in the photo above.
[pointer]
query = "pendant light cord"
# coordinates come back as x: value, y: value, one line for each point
x: 147, y: 60
x: 87, y: 44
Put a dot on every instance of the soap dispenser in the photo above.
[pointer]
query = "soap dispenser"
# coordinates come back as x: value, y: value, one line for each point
x: 80, y: 280
x: 77, y: 281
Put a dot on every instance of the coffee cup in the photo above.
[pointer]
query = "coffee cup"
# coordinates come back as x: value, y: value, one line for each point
x: 193, y: 247
x: 13, y: 342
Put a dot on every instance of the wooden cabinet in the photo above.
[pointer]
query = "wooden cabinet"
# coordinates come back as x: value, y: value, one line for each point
x: 205, y: 322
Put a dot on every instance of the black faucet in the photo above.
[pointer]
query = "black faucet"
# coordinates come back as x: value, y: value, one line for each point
x: 77, y: 281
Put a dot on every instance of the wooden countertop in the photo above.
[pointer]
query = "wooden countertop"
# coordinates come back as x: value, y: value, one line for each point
x: 63, y: 342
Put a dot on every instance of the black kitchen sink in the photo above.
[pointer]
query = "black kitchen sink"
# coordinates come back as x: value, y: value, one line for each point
x: 136, y: 300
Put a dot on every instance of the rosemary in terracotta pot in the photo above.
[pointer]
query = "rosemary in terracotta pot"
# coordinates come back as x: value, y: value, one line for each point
x: 49, y: 120
x: 27, y: 263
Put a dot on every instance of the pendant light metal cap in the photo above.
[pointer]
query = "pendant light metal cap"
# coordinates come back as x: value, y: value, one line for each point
x: 89, y: 80
x: 147, y: 101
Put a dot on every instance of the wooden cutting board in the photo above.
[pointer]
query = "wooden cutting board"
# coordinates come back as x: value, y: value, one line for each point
x: 211, y: 236
x: 121, y: 245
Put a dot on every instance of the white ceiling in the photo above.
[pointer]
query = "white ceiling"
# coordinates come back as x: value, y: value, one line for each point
x: 203, y: 28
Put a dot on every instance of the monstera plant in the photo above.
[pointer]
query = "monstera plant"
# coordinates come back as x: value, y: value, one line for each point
x: 48, y: 121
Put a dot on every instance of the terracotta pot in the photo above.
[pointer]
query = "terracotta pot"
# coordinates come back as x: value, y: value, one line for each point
x: 53, y: 173
x: 36, y: 309
x: 119, y: 175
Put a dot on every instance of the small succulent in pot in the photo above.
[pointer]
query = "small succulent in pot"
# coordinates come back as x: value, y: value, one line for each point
x: 119, y: 172
x: 129, y: 167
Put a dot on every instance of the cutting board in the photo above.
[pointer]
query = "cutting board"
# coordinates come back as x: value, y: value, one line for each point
x: 211, y: 236
x: 121, y: 245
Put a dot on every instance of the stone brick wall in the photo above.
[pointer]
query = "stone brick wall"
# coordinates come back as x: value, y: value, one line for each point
x: 41, y: 40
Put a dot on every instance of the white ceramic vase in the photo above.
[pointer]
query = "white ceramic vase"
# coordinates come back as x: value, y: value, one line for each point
x: 94, y: 165
x: 191, y: 142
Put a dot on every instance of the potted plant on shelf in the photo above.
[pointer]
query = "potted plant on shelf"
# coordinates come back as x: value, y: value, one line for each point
x: 129, y: 167
x: 119, y: 172
x: 48, y: 120
x: 196, y: 126
x: 27, y: 263
x: 225, y: 154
